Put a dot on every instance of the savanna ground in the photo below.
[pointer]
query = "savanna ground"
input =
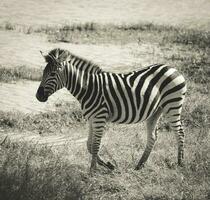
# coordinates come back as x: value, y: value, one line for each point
x: 29, y: 170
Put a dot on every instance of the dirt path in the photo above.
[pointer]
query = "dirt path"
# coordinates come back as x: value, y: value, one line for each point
x: 36, y: 139
x: 21, y: 49
x: 21, y: 97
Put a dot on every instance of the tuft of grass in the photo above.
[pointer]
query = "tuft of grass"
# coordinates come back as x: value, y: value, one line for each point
x: 9, y: 26
x: 146, y: 27
x: 79, y: 27
x: 20, y: 72
x: 64, y: 33
x: 199, y: 116
x: 193, y: 37
x: 7, y: 120
x: 66, y: 115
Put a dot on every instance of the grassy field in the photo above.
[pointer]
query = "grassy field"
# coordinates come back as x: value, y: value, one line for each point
x: 33, y: 172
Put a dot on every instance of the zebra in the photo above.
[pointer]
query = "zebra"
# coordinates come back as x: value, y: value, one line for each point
x: 143, y: 95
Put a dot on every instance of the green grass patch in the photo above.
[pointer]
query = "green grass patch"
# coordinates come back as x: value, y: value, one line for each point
x: 20, y: 72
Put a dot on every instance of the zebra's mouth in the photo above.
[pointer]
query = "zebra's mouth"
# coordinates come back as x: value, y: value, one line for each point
x: 41, y: 98
x: 40, y: 95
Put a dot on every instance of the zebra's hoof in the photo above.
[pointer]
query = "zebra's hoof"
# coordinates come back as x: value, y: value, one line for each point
x: 181, y: 164
x: 138, y: 167
x: 110, y: 166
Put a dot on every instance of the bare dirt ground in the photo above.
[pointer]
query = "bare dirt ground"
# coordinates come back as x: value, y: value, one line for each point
x: 21, y: 49
x: 36, y: 139
x: 20, y: 96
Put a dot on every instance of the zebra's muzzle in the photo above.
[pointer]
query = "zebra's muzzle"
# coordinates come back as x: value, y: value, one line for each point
x: 40, y: 95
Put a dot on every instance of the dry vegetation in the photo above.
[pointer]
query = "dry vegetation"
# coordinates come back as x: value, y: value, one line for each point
x: 19, y: 72
x: 33, y: 172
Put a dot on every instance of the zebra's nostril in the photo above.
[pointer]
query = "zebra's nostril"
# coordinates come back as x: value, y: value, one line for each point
x: 40, y: 95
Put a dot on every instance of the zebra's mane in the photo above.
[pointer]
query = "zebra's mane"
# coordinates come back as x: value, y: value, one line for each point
x: 61, y: 55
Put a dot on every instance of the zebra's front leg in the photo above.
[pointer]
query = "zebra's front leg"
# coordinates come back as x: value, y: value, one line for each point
x: 96, y: 129
x: 90, y: 147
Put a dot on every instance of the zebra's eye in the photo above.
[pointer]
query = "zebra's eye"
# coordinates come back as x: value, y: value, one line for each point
x: 59, y: 68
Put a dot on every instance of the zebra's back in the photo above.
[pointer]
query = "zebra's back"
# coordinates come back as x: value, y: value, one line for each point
x: 135, y: 96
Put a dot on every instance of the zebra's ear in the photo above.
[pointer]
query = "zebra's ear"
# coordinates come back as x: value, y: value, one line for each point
x: 42, y: 53
x: 63, y: 56
x: 45, y: 56
x: 48, y: 57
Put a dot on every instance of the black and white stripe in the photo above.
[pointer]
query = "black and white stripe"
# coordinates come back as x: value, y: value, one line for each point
x: 122, y: 98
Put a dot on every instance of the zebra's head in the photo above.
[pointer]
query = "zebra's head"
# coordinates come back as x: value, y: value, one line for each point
x: 53, y: 75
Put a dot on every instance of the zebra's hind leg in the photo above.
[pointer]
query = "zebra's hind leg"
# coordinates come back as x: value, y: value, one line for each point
x: 176, y: 126
x: 151, y: 137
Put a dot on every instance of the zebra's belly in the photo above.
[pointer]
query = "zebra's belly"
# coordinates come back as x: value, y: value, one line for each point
x: 133, y: 114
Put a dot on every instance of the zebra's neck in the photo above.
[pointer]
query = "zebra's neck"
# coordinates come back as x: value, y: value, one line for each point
x: 82, y: 76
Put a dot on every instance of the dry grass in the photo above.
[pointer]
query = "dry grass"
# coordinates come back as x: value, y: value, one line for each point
x: 66, y: 115
x: 20, y: 72
x: 93, y: 33
x: 34, y: 172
